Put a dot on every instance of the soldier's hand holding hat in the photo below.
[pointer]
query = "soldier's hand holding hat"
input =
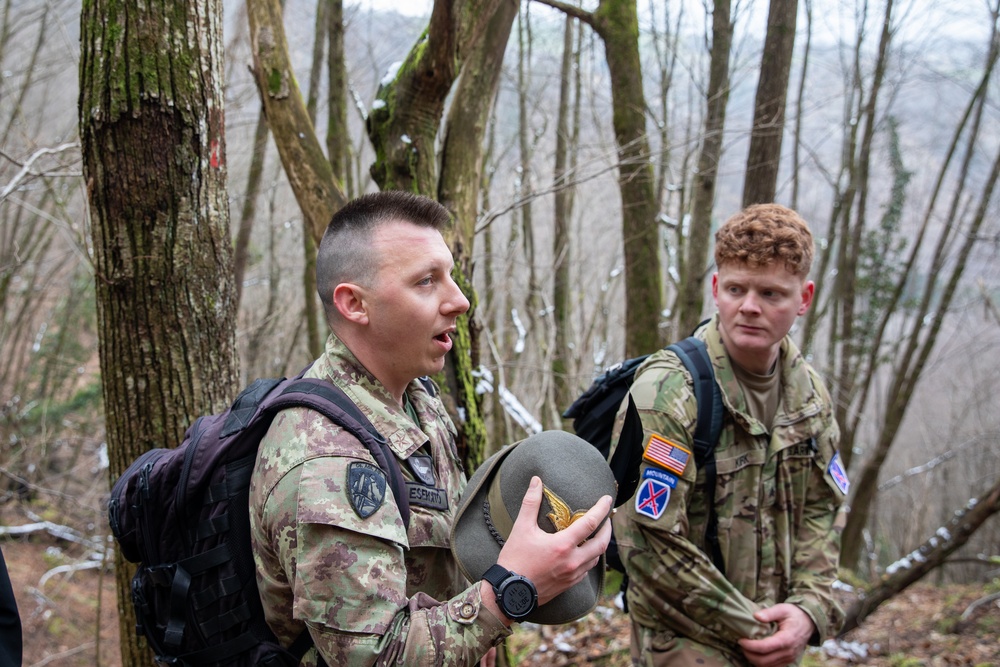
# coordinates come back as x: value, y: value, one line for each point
x: 560, y: 490
x: 555, y: 562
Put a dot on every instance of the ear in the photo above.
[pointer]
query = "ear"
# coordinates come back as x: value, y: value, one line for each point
x: 715, y: 287
x: 808, y: 289
x: 349, y: 300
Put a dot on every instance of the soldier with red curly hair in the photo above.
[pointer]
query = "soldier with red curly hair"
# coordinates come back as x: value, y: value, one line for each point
x: 779, y: 486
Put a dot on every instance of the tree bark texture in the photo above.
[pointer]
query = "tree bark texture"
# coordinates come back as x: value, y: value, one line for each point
x: 403, y: 124
x: 761, y: 178
x: 308, y: 170
x: 153, y: 144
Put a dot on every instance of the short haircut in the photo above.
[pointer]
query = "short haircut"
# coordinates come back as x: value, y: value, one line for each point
x: 763, y: 234
x: 345, y: 253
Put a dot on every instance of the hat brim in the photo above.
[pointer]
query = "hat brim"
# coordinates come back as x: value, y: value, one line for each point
x: 567, y: 465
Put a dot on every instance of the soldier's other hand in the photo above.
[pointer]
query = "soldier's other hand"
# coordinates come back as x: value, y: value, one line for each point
x: 555, y: 561
x: 787, y: 644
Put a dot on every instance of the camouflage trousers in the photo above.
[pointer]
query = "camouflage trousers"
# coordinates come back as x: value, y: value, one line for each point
x: 663, y: 648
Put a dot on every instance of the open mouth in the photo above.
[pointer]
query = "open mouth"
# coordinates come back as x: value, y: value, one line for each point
x: 444, y: 337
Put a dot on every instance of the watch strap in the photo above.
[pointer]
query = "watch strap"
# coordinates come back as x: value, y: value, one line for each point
x: 495, y: 575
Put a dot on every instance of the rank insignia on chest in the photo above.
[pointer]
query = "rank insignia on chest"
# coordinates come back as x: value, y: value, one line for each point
x: 365, y: 488
x: 654, y: 493
x: 666, y: 454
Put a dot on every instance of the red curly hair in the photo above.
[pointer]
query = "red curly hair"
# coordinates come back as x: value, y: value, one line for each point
x: 765, y: 233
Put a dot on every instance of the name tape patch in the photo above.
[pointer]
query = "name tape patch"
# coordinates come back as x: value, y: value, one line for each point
x: 427, y: 496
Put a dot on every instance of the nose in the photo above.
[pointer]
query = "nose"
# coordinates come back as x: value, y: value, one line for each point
x: 749, y: 304
x: 456, y: 302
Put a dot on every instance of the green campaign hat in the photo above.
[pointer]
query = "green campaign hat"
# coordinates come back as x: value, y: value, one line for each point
x: 574, y: 475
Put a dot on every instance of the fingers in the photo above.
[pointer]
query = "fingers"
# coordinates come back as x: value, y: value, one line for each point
x: 592, y: 531
x: 582, y: 529
x: 532, y: 502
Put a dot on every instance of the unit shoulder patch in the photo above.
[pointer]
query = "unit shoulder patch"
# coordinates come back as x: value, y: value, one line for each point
x: 654, y: 492
x: 365, y: 488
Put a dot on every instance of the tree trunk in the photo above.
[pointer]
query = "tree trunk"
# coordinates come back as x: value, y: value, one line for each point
x: 403, y: 126
x: 338, y: 136
x: 800, y: 107
x: 764, y: 157
x: 309, y: 172
x: 563, y: 195
x: 619, y: 27
x: 320, y: 29
x: 461, y: 182
x: 617, y: 23
x: 153, y: 145
x: 248, y: 212
x: 691, y: 299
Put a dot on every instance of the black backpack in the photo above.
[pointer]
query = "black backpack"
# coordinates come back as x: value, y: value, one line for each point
x: 593, y: 415
x: 183, y: 515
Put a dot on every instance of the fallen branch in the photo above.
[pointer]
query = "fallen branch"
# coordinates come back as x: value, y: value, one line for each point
x: 73, y: 567
x: 55, y: 530
x: 977, y: 604
x: 932, y: 553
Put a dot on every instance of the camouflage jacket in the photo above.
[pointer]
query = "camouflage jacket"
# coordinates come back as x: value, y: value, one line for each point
x: 367, y: 588
x: 779, y: 504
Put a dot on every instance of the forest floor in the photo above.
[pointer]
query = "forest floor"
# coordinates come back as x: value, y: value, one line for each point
x: 70, y: 620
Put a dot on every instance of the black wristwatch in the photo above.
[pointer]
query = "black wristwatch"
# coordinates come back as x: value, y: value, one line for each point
x: 516, y: 595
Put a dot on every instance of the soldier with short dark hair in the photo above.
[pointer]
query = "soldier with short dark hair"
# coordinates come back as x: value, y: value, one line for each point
x: 780, y: 485
x: 333, y: 554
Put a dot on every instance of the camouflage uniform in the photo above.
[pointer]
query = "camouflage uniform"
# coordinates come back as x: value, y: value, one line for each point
x: 780, y: 515
x: 367, y: 588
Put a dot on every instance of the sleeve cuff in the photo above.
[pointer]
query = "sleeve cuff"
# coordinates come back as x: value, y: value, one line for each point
x: 468, y: 608
x: 817, y: 613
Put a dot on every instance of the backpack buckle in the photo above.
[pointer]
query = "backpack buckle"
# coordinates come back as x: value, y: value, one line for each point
x: 162, y: 575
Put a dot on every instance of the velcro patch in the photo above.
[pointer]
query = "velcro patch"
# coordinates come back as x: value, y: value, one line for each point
x: 422, y: 467
x: 659, y: 475
x: 427, y: 496
x: 839, y: 475
x: 666, y: 454
x: 365, y: 487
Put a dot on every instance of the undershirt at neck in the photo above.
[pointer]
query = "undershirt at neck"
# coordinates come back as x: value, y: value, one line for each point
x: 762, y: 393
x: 410, y: 410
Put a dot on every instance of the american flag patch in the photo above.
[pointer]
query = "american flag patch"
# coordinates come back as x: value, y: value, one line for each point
x: 666, y: 454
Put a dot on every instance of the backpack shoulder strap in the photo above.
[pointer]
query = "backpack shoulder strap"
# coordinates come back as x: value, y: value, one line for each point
x: 330, y: 401
x: 694, y: 355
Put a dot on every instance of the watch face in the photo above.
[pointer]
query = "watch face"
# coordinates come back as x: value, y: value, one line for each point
x: 518, y: 598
